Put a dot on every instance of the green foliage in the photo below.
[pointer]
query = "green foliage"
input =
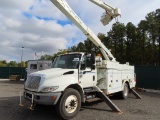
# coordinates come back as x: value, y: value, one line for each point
x: 61, y: 51
x: 117, y: 35
x: 4, y: 63
x: 12, y: 64
x: 46, y: 57
x: 50, y: 57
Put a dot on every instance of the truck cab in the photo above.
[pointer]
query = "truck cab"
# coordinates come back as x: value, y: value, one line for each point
x: 70, y: 74
x: 66, y: 70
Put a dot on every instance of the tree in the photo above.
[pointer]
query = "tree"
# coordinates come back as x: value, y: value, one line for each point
x: 73, y: 48
x: 2, y: 64
x: 81, y: 47
x: 12, y: 64
x: 90, y: 47
x: 153, y: 19
x: 130, y: 43
x: 118, y: 34
x: 46, y: 57
x: 50, y: 57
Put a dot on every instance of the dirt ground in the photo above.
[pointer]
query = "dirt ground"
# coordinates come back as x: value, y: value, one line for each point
x: 147, y: 108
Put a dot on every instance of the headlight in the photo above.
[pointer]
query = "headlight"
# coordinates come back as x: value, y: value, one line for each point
x: 49, y: 89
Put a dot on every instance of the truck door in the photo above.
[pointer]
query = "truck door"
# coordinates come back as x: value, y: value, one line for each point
x: 87, y: 73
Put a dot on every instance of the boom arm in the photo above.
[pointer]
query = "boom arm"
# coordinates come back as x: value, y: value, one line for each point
x: 63, y: 6
x: 103, y: 5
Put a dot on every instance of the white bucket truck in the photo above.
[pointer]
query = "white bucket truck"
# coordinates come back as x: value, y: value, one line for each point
x: 79, y: 77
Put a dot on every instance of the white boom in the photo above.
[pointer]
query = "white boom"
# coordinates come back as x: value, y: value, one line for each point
x: 103, y: 5
x: 63, y: 6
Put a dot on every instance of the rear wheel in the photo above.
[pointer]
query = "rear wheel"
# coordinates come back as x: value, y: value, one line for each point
x: 124, y: 93
x: 69, y: 104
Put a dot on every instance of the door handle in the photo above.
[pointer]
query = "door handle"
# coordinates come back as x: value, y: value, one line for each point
x: 93, y: 78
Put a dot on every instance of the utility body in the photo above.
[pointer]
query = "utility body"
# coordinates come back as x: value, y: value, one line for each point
x: 79, y: 77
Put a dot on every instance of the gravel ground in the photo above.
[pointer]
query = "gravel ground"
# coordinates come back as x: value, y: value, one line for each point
x: 147, y: 108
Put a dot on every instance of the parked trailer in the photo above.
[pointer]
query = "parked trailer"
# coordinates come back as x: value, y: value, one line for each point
x: 37, y: 65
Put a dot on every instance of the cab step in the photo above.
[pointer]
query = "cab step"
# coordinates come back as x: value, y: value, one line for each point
x: 93, y: 100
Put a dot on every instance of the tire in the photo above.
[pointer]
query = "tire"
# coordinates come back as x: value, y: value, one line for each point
x: 69, y: 104
x: 125, y: 92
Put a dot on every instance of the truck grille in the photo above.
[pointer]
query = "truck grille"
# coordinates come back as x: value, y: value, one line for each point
x: 33, y: 82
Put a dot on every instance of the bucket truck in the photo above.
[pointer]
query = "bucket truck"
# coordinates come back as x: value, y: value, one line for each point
x: 79, y: 77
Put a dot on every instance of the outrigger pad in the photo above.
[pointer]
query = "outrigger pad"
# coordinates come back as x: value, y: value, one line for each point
x: 136, y: 94
x: 32, y: 106
x: 109, y: 102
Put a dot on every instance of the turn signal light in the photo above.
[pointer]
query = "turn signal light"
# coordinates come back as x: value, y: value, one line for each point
x: 54, y: 97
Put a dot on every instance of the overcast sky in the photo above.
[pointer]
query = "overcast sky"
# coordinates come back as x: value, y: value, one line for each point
x: 38, y: 26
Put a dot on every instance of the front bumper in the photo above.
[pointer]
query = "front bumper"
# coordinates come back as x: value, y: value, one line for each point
x: 42, y: 98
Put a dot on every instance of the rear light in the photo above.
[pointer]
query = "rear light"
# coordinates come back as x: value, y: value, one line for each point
x: 135, y: 78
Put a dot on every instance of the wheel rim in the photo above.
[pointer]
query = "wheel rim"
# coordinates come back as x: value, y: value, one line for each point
x: 71, y: 104
x: 125, y: 90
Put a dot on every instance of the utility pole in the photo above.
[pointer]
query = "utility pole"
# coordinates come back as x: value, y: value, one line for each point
x: 22, y: 56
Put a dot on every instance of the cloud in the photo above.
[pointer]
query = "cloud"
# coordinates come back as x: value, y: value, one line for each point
x: 15, y: 4
x: 37, y: 25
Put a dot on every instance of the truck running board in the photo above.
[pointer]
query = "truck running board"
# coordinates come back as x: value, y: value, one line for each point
x: 108, y: 101
x: 136, y: 94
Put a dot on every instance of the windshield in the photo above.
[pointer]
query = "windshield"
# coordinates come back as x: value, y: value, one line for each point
x: 68, y: 61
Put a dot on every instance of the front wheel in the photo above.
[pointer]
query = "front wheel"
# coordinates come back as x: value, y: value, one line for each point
x: 124, y: 93
x: 69, y: 104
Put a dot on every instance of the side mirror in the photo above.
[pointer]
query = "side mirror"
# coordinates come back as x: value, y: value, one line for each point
x: 92, y: 58
x: 93, y: 67
x: 92, y: 61
x: 83, y: 67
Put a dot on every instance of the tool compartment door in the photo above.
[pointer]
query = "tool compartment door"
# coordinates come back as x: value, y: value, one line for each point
x: 114, y: 80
